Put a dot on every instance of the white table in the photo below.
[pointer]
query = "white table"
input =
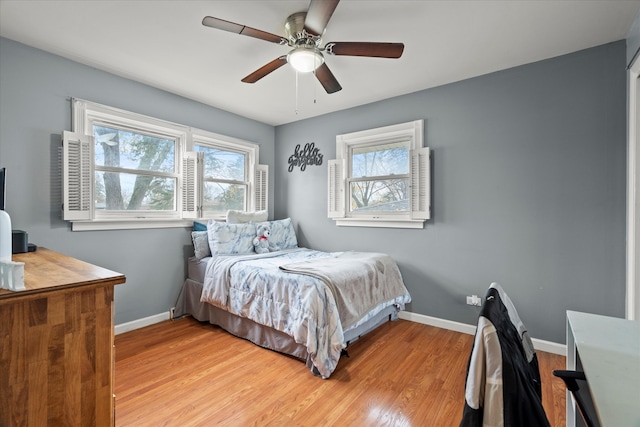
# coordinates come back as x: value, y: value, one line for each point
x: 607, y: 349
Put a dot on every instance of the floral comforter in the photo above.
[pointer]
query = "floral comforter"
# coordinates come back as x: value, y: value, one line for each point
x: 267, y: 289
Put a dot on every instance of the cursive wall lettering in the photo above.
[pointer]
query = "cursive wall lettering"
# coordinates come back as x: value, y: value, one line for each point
x: 308, y: 156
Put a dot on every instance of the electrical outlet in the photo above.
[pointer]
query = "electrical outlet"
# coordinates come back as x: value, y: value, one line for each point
x: 172, y: 312
x: 474, y: 300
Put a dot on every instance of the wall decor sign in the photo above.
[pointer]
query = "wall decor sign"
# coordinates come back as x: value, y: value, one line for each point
x: 310, y: 155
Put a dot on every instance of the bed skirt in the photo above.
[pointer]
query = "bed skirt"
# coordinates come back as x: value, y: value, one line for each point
x: 189, y: 304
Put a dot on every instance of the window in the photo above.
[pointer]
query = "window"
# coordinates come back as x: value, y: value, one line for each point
x: 381, y: 178
x: 124, y: 170
x: 226, y: 174
x: 133, y: 171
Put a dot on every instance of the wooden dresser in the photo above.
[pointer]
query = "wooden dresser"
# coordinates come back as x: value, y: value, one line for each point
x: 56, y: 344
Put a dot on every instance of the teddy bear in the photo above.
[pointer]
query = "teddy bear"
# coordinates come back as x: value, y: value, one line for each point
x: 261, y: 242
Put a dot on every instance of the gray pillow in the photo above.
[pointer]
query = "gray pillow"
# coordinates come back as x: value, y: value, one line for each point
x: 200, y: 244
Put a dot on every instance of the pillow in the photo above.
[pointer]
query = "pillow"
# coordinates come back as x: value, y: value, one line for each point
x: 200, y: 244
x: 199, y: 226
x: 229, y: 239
x: 239, y: 217
x: 283, y: 234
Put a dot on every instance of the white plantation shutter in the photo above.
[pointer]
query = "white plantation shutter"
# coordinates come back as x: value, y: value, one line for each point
x: 420, y: 184
x: 336, y: 202
x: 192, y: 167
x: 261, y: 188
x: 77, y: 173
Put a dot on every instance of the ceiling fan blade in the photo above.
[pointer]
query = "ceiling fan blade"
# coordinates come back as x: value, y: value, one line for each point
x: 372, y: 49
x: 232, y: 27
x: 318, y: 15
x: 327, y: 79
x: 266, y: 69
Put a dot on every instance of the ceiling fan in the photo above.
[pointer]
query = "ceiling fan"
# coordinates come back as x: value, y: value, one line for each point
x: 304, y: 34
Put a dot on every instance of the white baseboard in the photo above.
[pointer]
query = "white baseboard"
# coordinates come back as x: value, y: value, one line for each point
x: 549, y: 346
x: 542, y: 345
x: 141, y: 323
x: 440, y: 323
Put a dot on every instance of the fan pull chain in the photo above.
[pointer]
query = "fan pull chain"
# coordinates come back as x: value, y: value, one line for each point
x: 297, y: 93
x: 315, y: 89
x: 315, y: 81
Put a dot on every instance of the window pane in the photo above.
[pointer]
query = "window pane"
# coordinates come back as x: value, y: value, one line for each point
x: 379, y: 160
x: 221, y: 197
x: 123, y: 191
x: 221, y: 164
x: 125, y: 149
x: 389, y: 195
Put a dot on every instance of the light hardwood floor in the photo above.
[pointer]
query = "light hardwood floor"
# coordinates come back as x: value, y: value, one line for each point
x: 184, y: 373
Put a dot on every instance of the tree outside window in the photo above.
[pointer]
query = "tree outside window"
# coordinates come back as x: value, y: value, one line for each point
x: 225, y: 179
x: 379, y: 178
x: 131, y: 171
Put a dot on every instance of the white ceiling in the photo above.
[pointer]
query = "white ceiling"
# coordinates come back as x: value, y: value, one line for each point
x: 164, y: 44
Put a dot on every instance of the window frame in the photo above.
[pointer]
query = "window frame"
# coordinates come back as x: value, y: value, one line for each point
x: 419, y: 175
x: 221, y: 142
x: 79, y: 170
x: 179, y: 139
x: 350, y: 148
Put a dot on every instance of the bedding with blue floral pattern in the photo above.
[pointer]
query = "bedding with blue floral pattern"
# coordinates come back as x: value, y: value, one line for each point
x: 309, y: 303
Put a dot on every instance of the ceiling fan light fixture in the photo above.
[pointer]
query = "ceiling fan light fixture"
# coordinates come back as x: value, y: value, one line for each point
x: 305, y: 60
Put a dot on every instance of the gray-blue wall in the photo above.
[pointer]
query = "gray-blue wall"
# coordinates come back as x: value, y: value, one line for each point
x: 529, y: 178
x: 35, y: 88
x: 528, y: 183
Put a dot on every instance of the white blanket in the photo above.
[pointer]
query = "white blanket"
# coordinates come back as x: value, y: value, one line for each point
x: 359, y: 281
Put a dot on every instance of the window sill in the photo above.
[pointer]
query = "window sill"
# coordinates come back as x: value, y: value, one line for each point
x: 380, y: 223
x: 121, y: 224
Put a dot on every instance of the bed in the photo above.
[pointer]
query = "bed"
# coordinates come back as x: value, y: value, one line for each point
x: 302, y: 302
